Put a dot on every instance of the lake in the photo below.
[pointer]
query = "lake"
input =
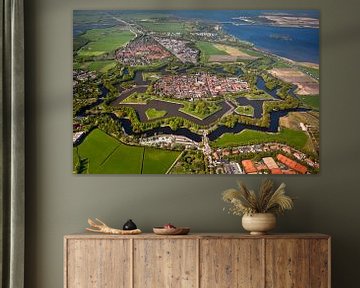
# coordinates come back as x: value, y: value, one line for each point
x: 298, y: 44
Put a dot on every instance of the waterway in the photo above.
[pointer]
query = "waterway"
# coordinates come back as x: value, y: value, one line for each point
x: 104, y: 92
x: 172, y: 110
x: 258, y: 104
x: 274, y: 126
x: 260, y: 84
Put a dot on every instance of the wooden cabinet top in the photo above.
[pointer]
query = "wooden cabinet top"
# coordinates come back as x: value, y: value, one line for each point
x: 199, y: 236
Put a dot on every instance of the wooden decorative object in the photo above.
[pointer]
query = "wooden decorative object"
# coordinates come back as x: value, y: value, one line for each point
x: 197, y: 261
x: 101, y: 227
x: 171, y: 231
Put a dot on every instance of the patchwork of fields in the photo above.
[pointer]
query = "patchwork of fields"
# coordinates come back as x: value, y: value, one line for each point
x: 212, y: 52
x: 100, y: 153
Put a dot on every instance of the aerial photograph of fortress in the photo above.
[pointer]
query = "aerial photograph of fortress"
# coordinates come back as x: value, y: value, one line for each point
x: 196, y: 92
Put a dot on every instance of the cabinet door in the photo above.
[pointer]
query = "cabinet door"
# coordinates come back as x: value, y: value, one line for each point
x: 320, y: 263
x: 231, y: 263
x: 167, y: 263
x: 98, y: 263
x: 287, y: 263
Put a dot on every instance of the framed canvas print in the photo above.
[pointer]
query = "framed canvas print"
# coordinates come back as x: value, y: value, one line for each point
x: 196, y: 92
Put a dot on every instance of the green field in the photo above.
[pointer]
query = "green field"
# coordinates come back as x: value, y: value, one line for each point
x: 199, y: 112
x: 311, y: 100
x: 103, y: 41
x: 245, y: 110
x: 164, y: 27
x: 99, y: 66
x: 103, y: 154
x: 314, y: 72
x: 152, y: 113
x: 157, y: 161
x: 296, y: 139
x: 209, y: 49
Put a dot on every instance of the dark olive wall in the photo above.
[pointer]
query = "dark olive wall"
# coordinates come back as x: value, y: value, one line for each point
x: 59, y: 202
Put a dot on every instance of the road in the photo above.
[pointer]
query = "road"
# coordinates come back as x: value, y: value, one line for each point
x: 132, y: 27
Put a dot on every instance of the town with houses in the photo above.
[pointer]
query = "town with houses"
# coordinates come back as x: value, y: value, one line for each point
x: 142, y: 51
x: 180, y: 49
x: 200, y: 85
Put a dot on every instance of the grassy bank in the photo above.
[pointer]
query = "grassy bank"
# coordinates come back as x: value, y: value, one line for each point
x: 296, y: 139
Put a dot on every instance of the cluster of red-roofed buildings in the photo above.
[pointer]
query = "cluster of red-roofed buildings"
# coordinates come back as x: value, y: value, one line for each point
x: 284, y: 165
x: 299, y: 163
x: 200, y: 85
x: 142, y: 51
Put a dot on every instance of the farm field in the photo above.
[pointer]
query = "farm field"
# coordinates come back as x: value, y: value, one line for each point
x: 104, y: 41
x: 99, y: 66
x: 293, y: 119
x: 158, y: 161
x: 103, y: 154
x: 306, y: 84
x: 208, y: 48
x: 311, y: 100
x: 297, y: 139
x: 233, y: 51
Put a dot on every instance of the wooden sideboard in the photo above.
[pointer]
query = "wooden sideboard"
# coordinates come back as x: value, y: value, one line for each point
x: 197, y: 260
